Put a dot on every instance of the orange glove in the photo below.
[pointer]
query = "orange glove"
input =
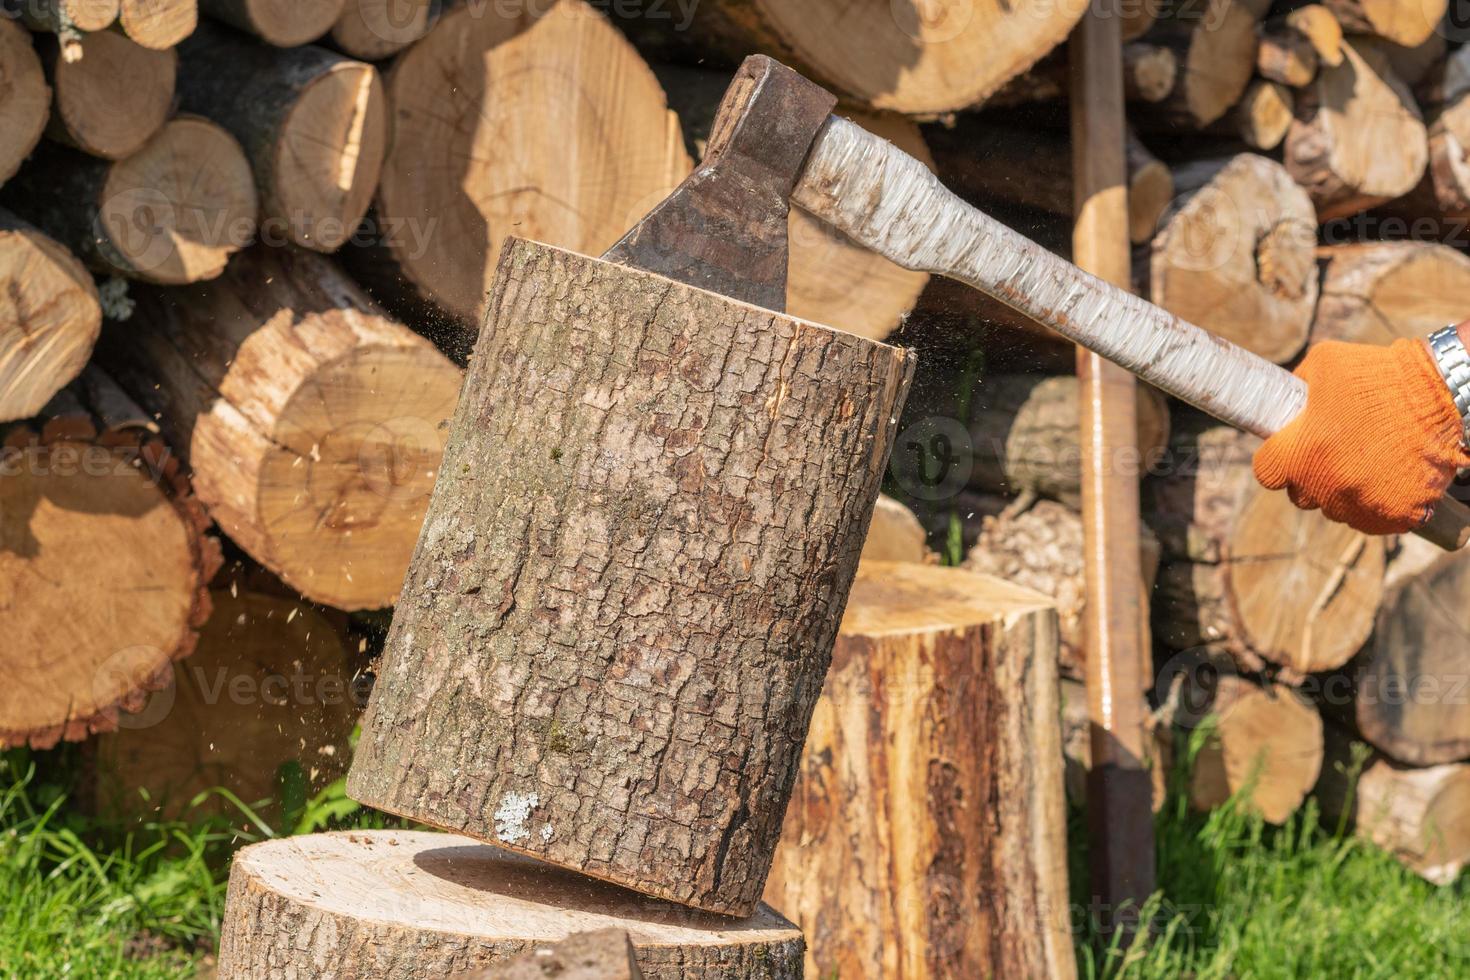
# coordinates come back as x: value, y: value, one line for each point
x: 1379, y: 440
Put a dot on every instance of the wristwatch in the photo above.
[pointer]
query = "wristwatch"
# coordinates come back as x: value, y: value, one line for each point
x: 1454, y: 364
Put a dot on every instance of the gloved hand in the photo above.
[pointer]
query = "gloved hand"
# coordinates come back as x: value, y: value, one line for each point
x: 1379, y: 440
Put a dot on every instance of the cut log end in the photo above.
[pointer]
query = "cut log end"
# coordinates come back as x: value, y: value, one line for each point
x: 1377, y: 292
x: 1150, y: 72
x: 376, y: 29
x: 283, y: 23
x: 160, y: 24
x: 400, y: 902
x: 49, y: 318
x: 1322, y: 28
x: 1393, y: 20
x: 112, y: 100
x: 1264, y: 114
x: 192, y: 189
x: 25, y: 99
x: 75, y: 15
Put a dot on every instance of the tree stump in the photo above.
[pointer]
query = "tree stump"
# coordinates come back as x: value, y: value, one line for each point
x: 49, y: 318
x: 110, y: 101
x: 1245, y: 571
x: 159, y: 24
x: 93, y: 505
x: 284, y: 23
x: 547, y: 126
x: 172, y: 213
x: 314, y: 124
x: 926, y: 836
x: 648, y: 517
x: 25, y: 100
x: 1377, y: 292
x: 376, y: 29
x: 1235, y: 255
x: 398, y: 904
x: 607, y: 954
x: 313, y: 423
x: 264, y: 708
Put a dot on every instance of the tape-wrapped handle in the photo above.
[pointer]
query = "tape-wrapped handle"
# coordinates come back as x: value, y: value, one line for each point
x: 892, y: 204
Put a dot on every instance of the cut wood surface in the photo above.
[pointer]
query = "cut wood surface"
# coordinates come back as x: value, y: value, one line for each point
x: 1264, y: 114
x: 49, y: 318
x: 1215, y: 44
x: 1412, y: 698
x: 1401, y: 22
x: 314, y: 124
x: 1286, y: 55
x: 112, y: 99
x: 1446, y: 101
x: 914, y: 58
x: 1377, y: 292
x: 174, y: 212
x: 550, y: 127
x: 829, y: 279
x: 62, y: 16
x: 1335, y: 147
x: 987, y: 162
x: 607, y: 954
x: 1420, y: 816
x: 1040, y: 548
x: 721, y: 514
x: 161, y: 24
x: 25, y: 99
x: 312, y: 422
x: 264, y: 702
x: 941, y: 701
x: 377, y: 29
x: 895, y: 535
x: 1264, y: 749
x: 1236, y: 254
x: 395, y: 903
x: 284, y: 23
x: 1322, y: 28
x: 1411, y: 64
x: 1025, y: 430
x: 92, y: 504
x: 1244, y: 570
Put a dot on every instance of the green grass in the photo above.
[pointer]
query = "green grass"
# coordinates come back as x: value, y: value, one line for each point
x: 1238, y: 899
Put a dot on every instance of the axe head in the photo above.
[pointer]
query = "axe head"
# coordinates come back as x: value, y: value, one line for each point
x: 724, y: 228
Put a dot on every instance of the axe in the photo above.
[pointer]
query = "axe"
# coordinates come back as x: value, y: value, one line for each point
x: 775, y: 142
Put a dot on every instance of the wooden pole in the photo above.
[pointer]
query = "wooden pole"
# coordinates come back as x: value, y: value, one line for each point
x: 1119, y: 793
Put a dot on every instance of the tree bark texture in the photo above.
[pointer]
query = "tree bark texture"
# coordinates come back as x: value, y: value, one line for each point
x: 926, y: 836
x: 401, y: 905
x: 624, y: 599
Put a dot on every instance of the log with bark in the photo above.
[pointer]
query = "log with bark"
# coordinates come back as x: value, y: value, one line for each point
x: 1024, y: 429
x: 174, y: 212
x: 1286, y: 55
x: 49, y: 318
x: 1417, y: 815
x: 988, y: 162
x: 606, y: 954
x: 94, y: 505
x: 25, y: 98
x: 397, y: 903
x: 663, y: 606
x: 159, y: 24
x: 1041, y: 548
x: 312, y: 422
x: 550, y: 127
x: 314, y: 124
x: 942, y: 698
x: 1345, y: 119
x: 1215, y: 44
x: 264, y: 708
x: 68, y: 18
x: 1412, y: 692
x: 914, y: 58
x: 1393, y: 20
x: 376, y: 29
x: 1247, y: 573
x: 284, y: 23
x: 1264, y: 747
x: 1264, y: 114
x: 1236, y: 254
x: 110, y: 101
x: 1377, y: 292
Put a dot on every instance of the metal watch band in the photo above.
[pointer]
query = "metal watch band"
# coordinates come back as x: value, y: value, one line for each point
x: 1454, y: 364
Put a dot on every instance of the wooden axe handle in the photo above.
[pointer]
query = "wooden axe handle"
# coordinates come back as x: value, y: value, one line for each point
x: 892, y: 204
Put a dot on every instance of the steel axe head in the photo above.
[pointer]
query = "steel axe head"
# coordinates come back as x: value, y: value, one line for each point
x: 724, y: 228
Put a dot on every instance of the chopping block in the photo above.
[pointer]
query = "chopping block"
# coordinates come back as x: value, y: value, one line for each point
x: 624, y: 599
